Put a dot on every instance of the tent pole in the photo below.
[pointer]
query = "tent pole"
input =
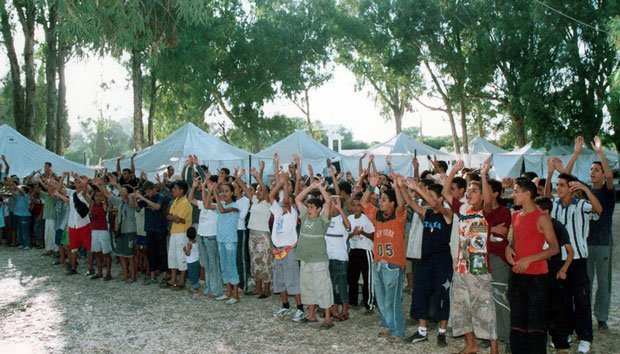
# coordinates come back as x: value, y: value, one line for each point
x: 250, y: 177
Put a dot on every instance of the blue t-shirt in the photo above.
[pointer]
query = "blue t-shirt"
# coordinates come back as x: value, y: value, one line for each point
x: 22, y: 205
x: 227, y: 223
x: 600, y: 229
x: 155, y: 220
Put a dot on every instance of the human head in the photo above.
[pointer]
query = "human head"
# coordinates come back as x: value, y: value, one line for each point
x: 562, y: 186
x: 524, y: 191
x: 149, y: 189
x: 596, y: 172
x: 458, y: 187
x: 98, y: 197
x: 474, y: 194
x: 387, y: 202
x: 529, y: 175
x: 179, y: 188
x: 170, y: 170
x: 226, y: 192
x: 435, y: 192
x: 127, y: 175
x: 126, y: 190
x: 442, y: 166
x: 191, y: 233
x: 496, y: 189
x: 47, y: 167
x: 356, y: 205
x: 314, y: 205
x: 545, y: 204
x: 345, y: 188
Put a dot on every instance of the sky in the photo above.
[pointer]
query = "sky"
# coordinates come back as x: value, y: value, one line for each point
x: 101, y: 85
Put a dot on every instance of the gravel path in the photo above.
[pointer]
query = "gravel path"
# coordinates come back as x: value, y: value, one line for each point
x: 44, y: 311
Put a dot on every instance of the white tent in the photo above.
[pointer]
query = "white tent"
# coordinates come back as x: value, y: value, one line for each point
x: 311, y: 152
x: 510, y: 164
x: 24, y: 155
x: 480, y: 145
x: 185, y: 141
x: 581, y: 169
x: 402, y: 148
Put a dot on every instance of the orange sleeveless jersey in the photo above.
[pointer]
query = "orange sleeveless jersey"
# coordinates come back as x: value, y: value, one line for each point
x: 389, y: 241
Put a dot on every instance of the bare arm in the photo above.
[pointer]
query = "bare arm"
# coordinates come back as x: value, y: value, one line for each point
x: 360, y: 167
x: 576, y: 152
x: 447, y: 185
x: 546, y: 227
x: 299, y: 199
x: 487, y: 194
x: 388, y: 159
x: 597, y: 146
x: 297, y: 160
x: 6, y: 166
x: 596, y: 204
x: 133, y: 166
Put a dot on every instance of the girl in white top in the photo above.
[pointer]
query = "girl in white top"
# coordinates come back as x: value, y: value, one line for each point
x: 338, y: 253
x: 261, y: 257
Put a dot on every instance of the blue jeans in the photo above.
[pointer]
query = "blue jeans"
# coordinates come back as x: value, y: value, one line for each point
x: 388, y: 281
x: 193, y: 273
x: 228, y: 262
x: 23, y: 230
x: 213, y: 275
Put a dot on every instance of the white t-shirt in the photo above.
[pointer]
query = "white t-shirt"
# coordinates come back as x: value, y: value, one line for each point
x: 284, y: 226
x: 207, y: 221
x: 194, y: 254
x: 75, y: 220
x: 244, y: 206
x: 361, y: 241
x: 140, y: 222
x: 336, y: 238
x: 260, y: 212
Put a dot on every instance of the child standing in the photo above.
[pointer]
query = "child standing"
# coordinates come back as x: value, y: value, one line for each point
x: 192, y: 255
x: 337, y: 251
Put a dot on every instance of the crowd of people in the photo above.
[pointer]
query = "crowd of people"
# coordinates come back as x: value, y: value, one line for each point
x: 501, y: 261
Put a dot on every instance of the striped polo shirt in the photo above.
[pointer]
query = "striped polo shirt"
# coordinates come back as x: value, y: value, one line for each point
x: 576, y: 218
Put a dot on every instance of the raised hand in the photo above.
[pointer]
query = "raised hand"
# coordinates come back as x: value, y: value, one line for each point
x: 373, y: 179
x: 371, y: 157
x: 459, y: 165
x: 597, y: 145
x: 363, y: 155
x: 242, y: 172
x: 261, y: 165
x: 415, y: 162
x: 388, y: 159
x: 276, y: 156
x: 283, y: 177
x: 253, y: 171
x: 297, y: 160
x: 311, y: 170
x: 485, y: 168
x: 578, y: 144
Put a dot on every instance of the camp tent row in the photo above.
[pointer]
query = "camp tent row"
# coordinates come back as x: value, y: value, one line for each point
x: 25, y: 155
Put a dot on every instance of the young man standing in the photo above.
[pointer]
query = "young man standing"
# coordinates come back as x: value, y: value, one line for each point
x: 180, y: 215
x: 600, y: 237
x: 528, y: 289
x: 575, y: 214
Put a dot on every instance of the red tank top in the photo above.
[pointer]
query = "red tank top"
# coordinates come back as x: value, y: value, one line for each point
x: 528, y: 240
x: 98, y: 218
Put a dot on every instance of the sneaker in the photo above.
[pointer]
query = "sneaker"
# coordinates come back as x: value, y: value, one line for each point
x: 602, y: 326
x: 299, y: 315
x: 221, y: 298
x: 417, y: 337
x: 96, y: 276
x: 441, y: 340
x: 108, y: 277
x: 281, y: 312
x: 232, y: 301
x: 71, y: 272
x: 584, y: 347
x: 90, y: 272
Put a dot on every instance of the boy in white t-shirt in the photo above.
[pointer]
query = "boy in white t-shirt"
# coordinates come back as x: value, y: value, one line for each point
x: 338, y: 253
x: 191, y: 255
x: 360, y: 256
x: 285, y: 268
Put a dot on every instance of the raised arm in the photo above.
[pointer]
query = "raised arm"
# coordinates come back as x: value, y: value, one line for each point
x: 418, y: 209
x: 596, y: 204
x: 597, y: 146
x: 297, y: 160
x: 118, y: 165
x: 359, y: 164
x: 327, y: 205
x: 299, y: 199
x: 345, y: 220
x: 6, y: 166
x: 388, y: 159
x: 276, y: 164
x: 416, y: 168
x: 400, y: 201
x: 371, y: 163
x: 207, y: 195
x: 576, y: 152
x: 447, y: 184
x: 192, y: 192
x: 133, y: 166
x: 487, y: 194
x: 280, y: 183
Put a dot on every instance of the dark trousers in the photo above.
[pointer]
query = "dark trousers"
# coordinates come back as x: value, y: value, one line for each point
x: 157, y: 253
x: 360, y: 262
x: 528, y: 295
x: 243, y: 258
x: 432, y: 277
x: 579, y: 309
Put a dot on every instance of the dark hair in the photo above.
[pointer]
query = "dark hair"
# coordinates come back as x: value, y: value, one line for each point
x: 496, y: 187
x: 527, y: 185
x: 568, y: 178
x: 169, y: 167
x: 181, y: 185
x: 128, y: 187
x: 391, y: 194
x: 442, y: 165
x: 474, y: 176
x: 128, y: 170
x: 148, y: 185
x: 598, y: 163
x: 542, y: 182
x: 427, y: 182
x: 424, y: 174
x: 544, y: 203
x: 191, y: 233
x: 225, y: 170
x: 316, y: 202
x: 529, y: 175
x: 437, y: 188
x: 48, y: 164
x: 345, y: 186
x: 460, y: 182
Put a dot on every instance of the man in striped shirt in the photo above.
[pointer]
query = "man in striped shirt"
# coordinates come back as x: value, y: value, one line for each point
x: 575, y: 214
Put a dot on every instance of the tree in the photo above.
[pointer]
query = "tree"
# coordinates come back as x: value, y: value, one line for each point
x: 367, y: 47
x: 348, y: 143
x: 100, y: 138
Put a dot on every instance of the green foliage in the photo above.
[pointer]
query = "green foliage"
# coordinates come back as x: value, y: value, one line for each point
x: 99, y: 139
x: 348, y: 143
x: 271, y: 130
x: 438, y: 142
x: 413, y: 132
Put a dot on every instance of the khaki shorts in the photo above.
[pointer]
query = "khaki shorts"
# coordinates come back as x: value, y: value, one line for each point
x: 473, y: 308
x: 316, y: 285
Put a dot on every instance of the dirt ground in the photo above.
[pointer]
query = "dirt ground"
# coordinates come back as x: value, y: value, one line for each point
x: 44, y: 311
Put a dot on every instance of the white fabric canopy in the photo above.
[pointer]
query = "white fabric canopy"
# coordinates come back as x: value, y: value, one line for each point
x: 510, y: 164
x: 24, y: 155
x: 310, y: 151
x: 174, y: 149
x: 402, y: 149
x: 481, y: 145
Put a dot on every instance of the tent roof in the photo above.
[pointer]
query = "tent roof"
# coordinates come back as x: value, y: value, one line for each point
x: 189, y: 139
x: 527, y: 150
x: 302, y: 144
x: 403, y: 144
x: 24, y: 155
x: 481, y: 145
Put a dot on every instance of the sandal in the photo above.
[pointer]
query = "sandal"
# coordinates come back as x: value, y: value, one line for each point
x: 306, y: 321
x: 326, y: 326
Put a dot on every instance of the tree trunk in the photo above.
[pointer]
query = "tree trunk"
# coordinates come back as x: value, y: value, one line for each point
x: 51, y: 68
x: 518, y: 126
x: 136, y: 82
x: 464, y: 126
x: 61, y: 106
x: 479, y: 120
x: 27, y: 18
x: 455, y: 137
x: 16, y: 84
x: 152, y: 106
x: 399, y: 112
